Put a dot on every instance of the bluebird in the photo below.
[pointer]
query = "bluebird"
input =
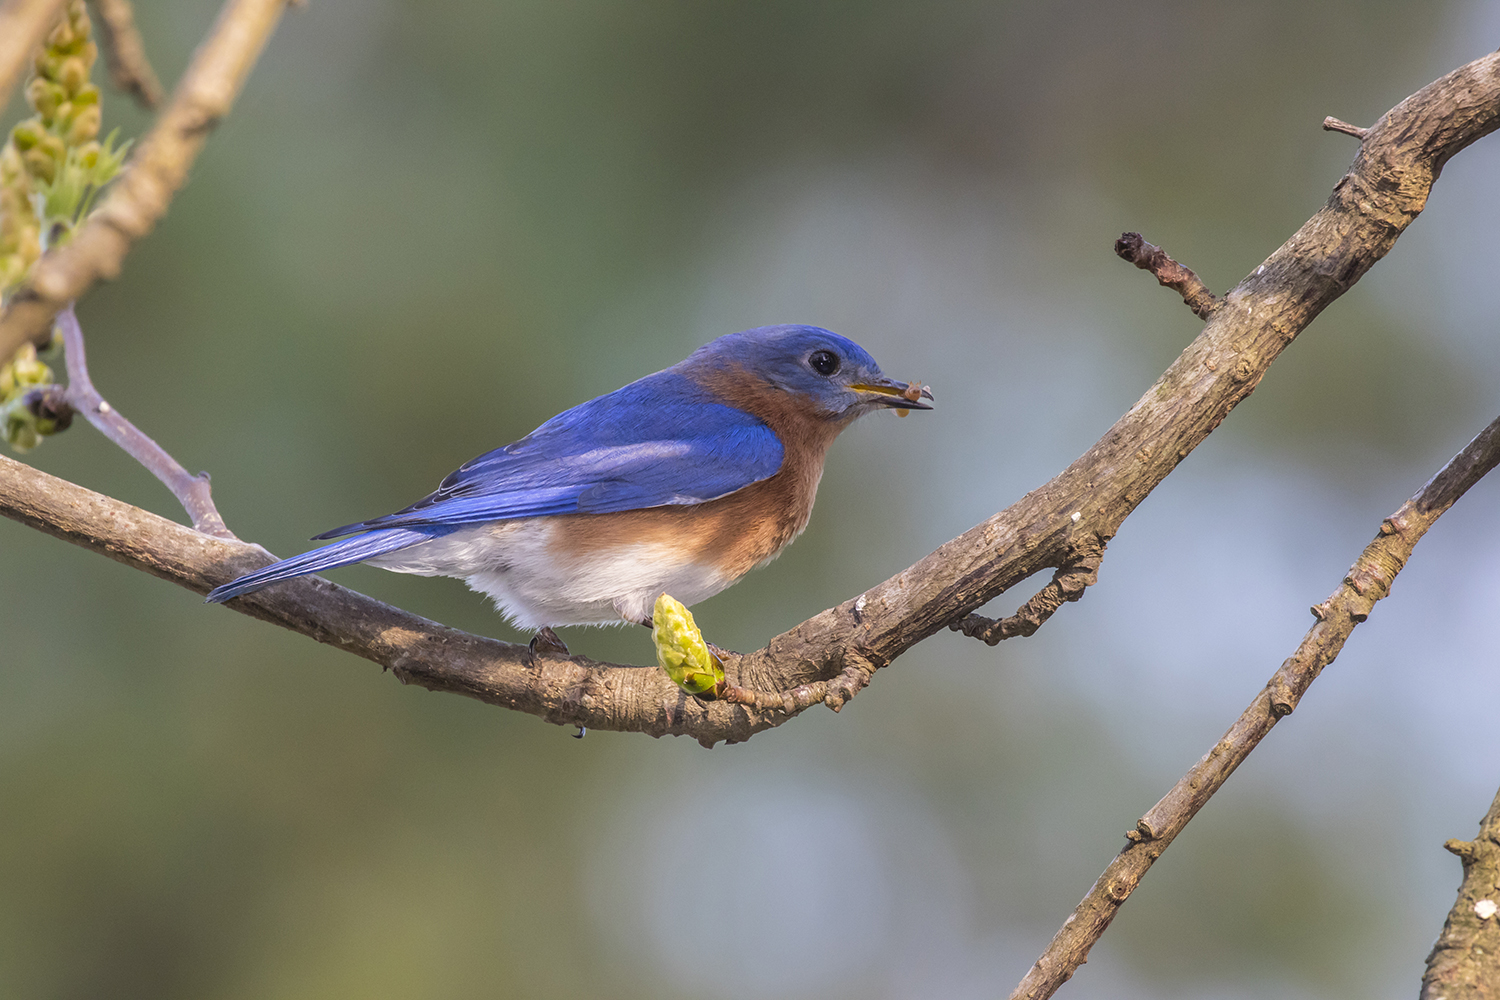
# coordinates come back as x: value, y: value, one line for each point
x: 681, y: 482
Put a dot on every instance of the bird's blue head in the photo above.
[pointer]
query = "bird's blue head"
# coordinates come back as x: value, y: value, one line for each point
x: 833, y: 373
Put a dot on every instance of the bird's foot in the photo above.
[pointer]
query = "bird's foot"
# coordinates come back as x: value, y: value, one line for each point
x: 546, y: 643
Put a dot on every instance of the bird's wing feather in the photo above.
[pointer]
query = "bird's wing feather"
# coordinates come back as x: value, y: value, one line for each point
x: 331, y: 556
x: 656, y: 442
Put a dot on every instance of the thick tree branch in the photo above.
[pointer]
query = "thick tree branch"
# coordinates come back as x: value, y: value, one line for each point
x: 129, y: 68
x: 23, y: 27
x: 1368, y: 580
x: 834, y: 653
x: 157, y: 169
x: 1465, y: 961
x: 563, y: 690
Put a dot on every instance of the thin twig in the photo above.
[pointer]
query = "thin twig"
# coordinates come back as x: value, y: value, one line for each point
x: 1332, y: 124
x: 190, y: 490
x: 128, y: 66
x: 1078, y: 572
x: 1367, y: 582
x: 1134, y: 248
x: 157, y: 169
x: 1465, y: 961
x: 23, y: 27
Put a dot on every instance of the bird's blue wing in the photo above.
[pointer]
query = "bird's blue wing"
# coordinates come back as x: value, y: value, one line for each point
x: 656, y: 442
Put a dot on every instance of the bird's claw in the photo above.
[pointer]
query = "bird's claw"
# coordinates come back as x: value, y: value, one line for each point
x: 546, y: 643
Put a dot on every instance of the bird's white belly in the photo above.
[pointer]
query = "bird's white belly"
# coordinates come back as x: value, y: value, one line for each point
x: 535, y: 585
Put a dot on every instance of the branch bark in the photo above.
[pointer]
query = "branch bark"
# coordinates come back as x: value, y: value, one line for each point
x: 157, y: 169
x: 23, y: 26
x: 1465, y: 961
x: 129, y: 68
x: 1367, y: 581
x: 832, y: 655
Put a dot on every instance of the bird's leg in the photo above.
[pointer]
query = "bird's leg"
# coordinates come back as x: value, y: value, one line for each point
x: 546, y: 643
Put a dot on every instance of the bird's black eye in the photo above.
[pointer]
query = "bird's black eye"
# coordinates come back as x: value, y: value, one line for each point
x: 825, y: 363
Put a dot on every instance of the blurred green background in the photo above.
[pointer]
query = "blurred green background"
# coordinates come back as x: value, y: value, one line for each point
x: 429, y: 226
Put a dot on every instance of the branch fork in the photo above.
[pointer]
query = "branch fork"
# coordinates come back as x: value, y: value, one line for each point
x: 193, y: 492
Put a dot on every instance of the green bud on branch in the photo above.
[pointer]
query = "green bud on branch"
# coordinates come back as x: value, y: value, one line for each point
x: 681, y: 651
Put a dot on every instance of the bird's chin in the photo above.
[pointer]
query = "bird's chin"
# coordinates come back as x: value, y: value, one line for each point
x: 856, y: 410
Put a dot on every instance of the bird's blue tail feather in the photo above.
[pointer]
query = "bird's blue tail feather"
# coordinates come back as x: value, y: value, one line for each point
x: 341, y: 553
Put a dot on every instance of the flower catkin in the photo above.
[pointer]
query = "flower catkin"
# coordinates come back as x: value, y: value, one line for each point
x: 67, y: 119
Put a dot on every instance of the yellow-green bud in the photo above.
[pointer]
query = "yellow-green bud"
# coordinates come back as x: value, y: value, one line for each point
x: 49, y: 64
x: 19, y: 229
x: 73, y: 30
x: 63, y: 36
x: 40, y: 164
x: 22, y: 372
x: 84, y: 126
x: 680, y: 648
x: 26, y: 134
x: 19, y: 427
x: 73, y: 74
x: 44, y: 95
x: 19, y: 423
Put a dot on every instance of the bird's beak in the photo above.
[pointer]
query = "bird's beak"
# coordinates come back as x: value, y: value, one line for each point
x: 900, y: 395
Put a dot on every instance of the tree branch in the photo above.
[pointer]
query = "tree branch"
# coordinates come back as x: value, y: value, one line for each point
x: 1332, y: 124
x: 23, y: 27
x: 1368, y: 580
x: 1078, y: 572
x: 157, y: 169
x: 836, y: 652
x: 572, y: 690
x: 129, y: 68
x: 191, y: 491
x: 1134, y: 248
x: 1465, y: 961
